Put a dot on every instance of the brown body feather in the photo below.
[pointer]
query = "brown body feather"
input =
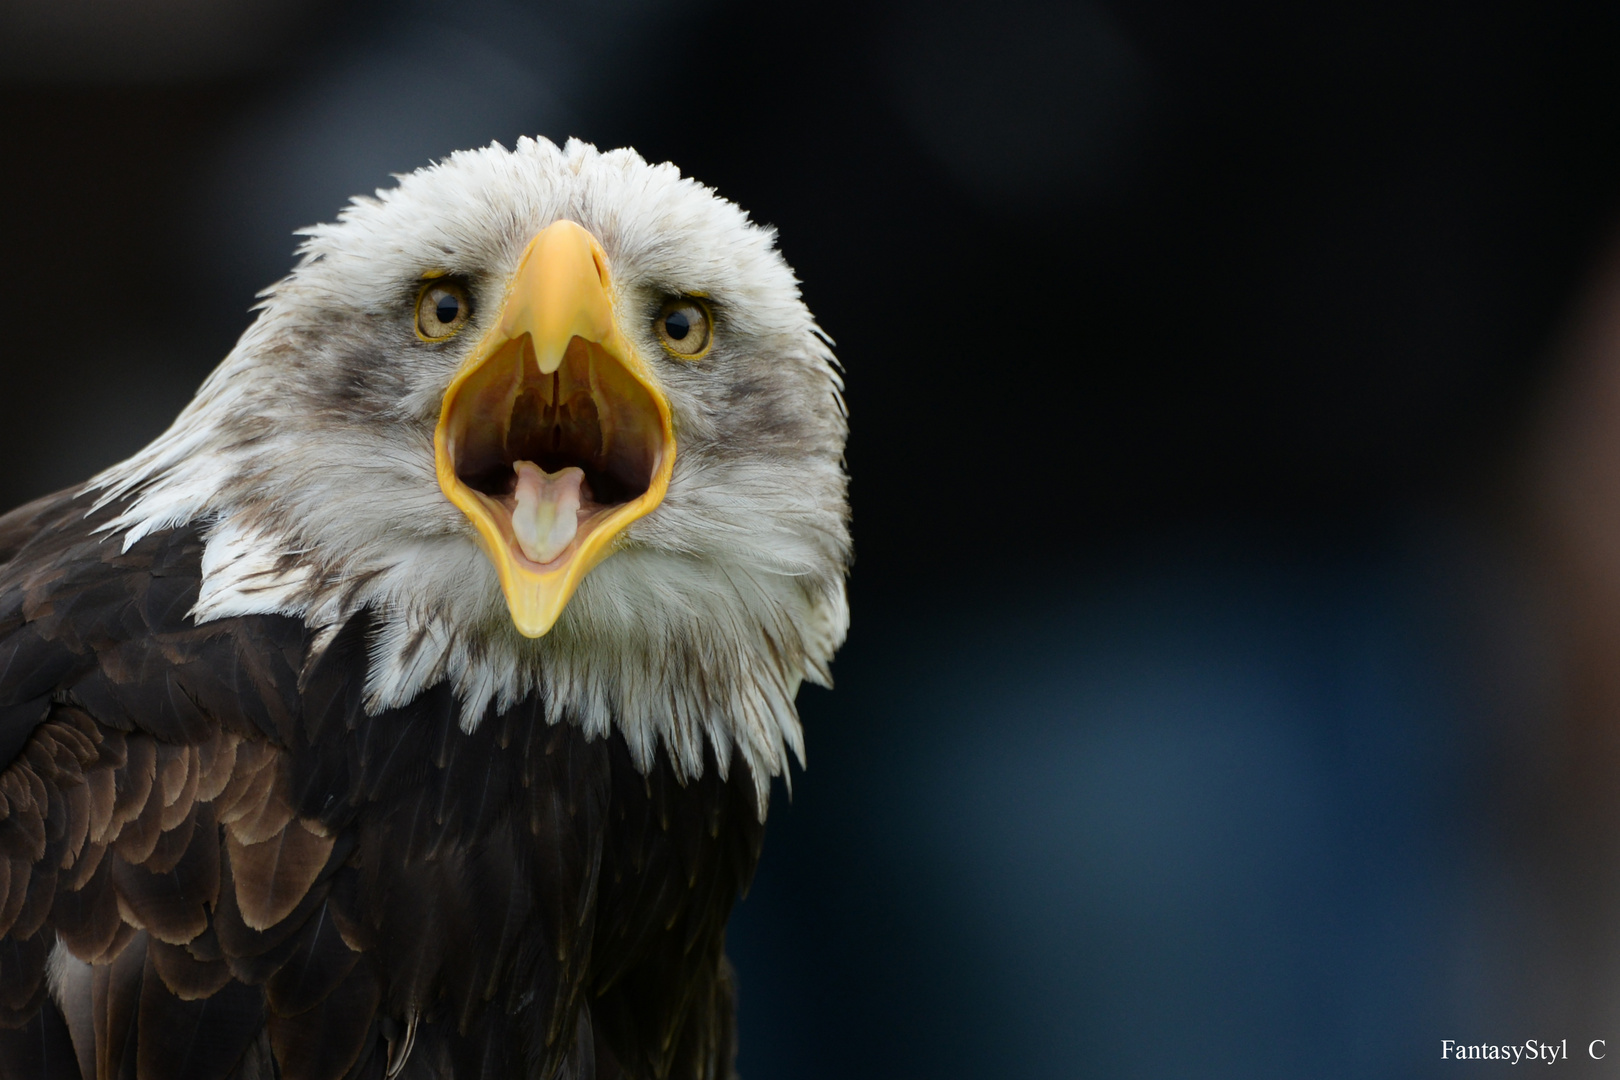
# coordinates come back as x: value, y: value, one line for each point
x: 213, y: 867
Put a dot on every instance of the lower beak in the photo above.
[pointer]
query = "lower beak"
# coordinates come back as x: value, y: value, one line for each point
x: 554, y: 436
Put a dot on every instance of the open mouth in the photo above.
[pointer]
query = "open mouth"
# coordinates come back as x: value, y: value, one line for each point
x: 551, y: 457
x: 555, y: 434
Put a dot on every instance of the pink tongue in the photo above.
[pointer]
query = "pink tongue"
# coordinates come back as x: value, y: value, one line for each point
x: 547, y: 513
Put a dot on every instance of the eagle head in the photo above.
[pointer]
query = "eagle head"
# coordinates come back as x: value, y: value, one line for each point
x: 560, y: 421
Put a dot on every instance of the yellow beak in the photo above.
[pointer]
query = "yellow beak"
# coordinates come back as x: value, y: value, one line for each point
x: 554, y: 392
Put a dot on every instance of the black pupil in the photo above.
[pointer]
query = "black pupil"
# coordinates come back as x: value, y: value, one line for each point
x: 447, y: 308
x: 677, y: 325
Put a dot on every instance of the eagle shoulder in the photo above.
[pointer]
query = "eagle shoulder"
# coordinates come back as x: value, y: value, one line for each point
x: 215, y: 863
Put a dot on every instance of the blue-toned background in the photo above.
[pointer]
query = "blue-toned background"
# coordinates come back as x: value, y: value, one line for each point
x: 1234, y: 687
x: 1218, y: 817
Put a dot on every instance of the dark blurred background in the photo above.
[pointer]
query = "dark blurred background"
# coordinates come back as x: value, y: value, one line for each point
x: 1234, y: 687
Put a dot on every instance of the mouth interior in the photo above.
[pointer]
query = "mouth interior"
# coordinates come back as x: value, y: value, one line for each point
x: 553, y: 455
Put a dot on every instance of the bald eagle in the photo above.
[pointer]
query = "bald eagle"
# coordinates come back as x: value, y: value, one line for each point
x: 410, y: 707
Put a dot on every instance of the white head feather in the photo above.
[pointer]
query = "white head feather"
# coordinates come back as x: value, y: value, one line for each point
x: 308, y: 455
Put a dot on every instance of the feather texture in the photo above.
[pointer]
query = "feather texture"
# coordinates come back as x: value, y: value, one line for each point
x: 210, y: 870
x: 308, y: 456
x: 284, y: 793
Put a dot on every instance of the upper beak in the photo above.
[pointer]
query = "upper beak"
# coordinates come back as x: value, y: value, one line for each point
x: 555, y: 435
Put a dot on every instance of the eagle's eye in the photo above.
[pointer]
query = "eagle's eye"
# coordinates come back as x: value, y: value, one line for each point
x: 441, y: 309
x: 683, y: 327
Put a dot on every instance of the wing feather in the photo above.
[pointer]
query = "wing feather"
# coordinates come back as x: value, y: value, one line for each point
x: 187, y: 976
x: 274, y: 876
x: 235, y: 871
x: 201, y: 1038
x: 323, y: 1043
x: 41, y: 1047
